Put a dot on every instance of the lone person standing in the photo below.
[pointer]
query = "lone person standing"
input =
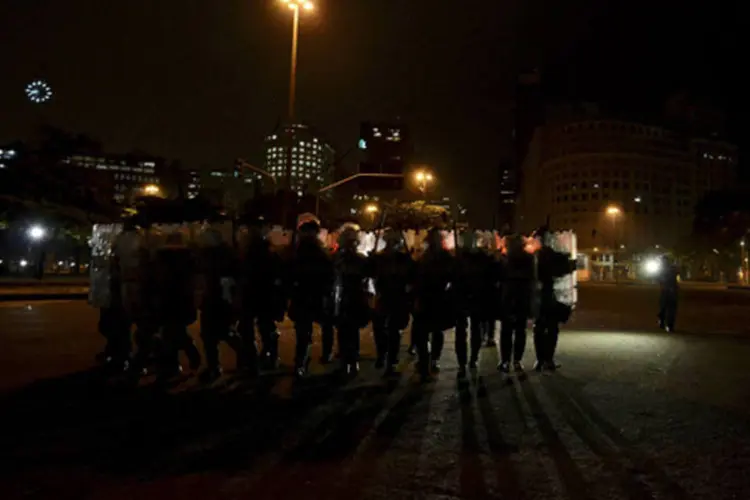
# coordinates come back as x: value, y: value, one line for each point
x: 668, y: 295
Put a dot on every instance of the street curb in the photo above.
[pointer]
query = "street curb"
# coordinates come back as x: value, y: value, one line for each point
x: 22, y: 297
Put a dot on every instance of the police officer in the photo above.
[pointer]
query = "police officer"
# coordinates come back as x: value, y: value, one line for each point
x: 114, y: 324
x: 393, y: 271
x: 516, y: 307
x: 434, y: 303
x: 475, y: 278
x: 176, y: 304
x: 262, y: 296
x: 551, y: 265
x: 310, y: 281
x: 350, y: 298
x: 668, y: 286
x: 219, y: 269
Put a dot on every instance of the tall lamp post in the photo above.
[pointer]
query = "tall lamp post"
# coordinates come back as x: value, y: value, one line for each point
x: 295, y: 6
x: 743, y: 262
x: 614, y: 212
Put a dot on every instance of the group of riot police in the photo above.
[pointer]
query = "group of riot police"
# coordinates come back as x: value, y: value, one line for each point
x: 342, y: 291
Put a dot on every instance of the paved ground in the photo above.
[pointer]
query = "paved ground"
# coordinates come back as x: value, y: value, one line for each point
x: 632, y: 414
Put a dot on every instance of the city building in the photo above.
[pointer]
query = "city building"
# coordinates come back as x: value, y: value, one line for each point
x: 122, y: 174
x: 231, y: 187
x: 194, y: 184
x: 527, y: 115
x: 384, y: 148
x: 311, y: 156
x: 624, y: 188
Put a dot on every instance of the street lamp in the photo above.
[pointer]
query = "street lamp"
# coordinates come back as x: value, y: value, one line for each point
x: 152, y: 190
x: 36, y: 233
x: 743, y: 262
x: 295, y: 6
x: 423, y: 178
x: 371, y: 208
x: 614, y: 212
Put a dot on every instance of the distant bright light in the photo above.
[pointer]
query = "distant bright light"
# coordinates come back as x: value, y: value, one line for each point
x: 309, y: 6
x: 152, y: 190
x: 742, y: 243
x: 36, y: 232
x: 613, y: 211
x: 23, y: 263
x: 637, y: 199
x: 72, y: 264
x: 596, y: 249
x: 652, y: 266
x: 362, y: 144
x: 371, y: 209
x: 60, y: 263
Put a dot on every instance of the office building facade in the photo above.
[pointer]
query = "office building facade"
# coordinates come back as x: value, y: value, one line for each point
x: 576, y: 171
x: 299, y: 152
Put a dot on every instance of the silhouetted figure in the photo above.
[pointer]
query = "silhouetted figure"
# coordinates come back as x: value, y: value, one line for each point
x: 350, y: 298
x: 393, y: 272
x: 114, y: 324
x: 310, y: 281
x: 475, y: 278
x: 518, y: 273
x: 551, y: 265
x: 434, y: 310
x: 219, y: 269
x: 669, y: 289
x: 176, y: 304
x: 263, y: 298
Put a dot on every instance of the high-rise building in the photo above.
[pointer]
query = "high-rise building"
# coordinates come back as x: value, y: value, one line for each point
x: 385, y: 148
x: 527, y: 115
x: 311, y: 157
x: 649, y: 176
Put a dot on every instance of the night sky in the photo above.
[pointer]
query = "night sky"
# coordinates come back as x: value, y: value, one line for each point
x: 205, y: 80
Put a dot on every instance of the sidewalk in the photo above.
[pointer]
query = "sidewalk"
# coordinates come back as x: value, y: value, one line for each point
x: 48, y: 288
x: 683, y: 284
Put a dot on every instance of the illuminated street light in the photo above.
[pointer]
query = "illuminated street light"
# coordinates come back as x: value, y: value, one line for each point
x: 371, y: 208
x: 152, y: 190
x: 36, y: 233
x: 652, y: 266
x: 295, y: 6
x: 637, y: 199
x: 614, y: 212
x: 23, y: 263
x: 423, y: 178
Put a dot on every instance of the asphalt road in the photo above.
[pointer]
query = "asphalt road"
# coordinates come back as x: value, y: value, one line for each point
x: 634, y: 413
